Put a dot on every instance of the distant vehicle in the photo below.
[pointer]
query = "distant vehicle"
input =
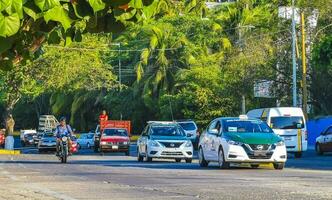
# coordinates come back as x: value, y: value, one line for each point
x: 289, y: 123
x: 191, y: 130
x: 28, y: 137
x: 47, y: 123
x: 47, y: 142
x: 109, y: 124
x: 2, y: 139
x: 164, y: 140
x: 85, y: 140
x: 324, y: 141
x: 241, y: 140
x: 115, y: 140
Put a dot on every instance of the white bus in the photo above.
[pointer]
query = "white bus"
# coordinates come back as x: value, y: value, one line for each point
x: 289, y: 123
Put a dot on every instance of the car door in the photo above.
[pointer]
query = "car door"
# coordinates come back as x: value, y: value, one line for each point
x: 324, y: 140
x: 142, y: 141
x: 328, y: 140
x: 209, y: 148
x: 215, y: 142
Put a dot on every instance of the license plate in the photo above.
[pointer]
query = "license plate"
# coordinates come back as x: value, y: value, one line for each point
x: 287, y: 138
x: 259, y: 153
x: 115, y: 147
x: 49, y: 144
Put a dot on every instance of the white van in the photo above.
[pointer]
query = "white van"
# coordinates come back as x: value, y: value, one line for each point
x: 287, y: 122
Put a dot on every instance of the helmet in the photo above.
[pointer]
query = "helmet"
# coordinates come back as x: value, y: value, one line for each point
x: 62, y: 119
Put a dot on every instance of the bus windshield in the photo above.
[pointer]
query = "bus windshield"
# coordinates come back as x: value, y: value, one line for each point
x: 286, y: 122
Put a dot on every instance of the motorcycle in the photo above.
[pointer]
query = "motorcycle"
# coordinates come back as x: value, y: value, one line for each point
x: 63, y: 149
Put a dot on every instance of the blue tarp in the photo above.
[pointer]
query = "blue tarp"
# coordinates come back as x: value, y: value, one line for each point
x: 316, y: 126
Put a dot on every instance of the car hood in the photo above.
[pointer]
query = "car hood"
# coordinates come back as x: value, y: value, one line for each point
x: 156, y: 137
x: 253, y: 138
x: 51, y: 139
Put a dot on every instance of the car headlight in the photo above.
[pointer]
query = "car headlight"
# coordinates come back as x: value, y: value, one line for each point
x: 188, y: 144
x: 125, y: 143
x: 280, y: 143
x: 153, y: 143
x: 64, y: 139
x: 103, y: 143
x: 231, y: 142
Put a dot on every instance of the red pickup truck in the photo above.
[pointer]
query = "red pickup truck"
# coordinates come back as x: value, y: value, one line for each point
x: 115, y: 136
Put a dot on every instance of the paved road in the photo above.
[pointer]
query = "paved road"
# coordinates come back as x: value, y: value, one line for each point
x: 114, y: 176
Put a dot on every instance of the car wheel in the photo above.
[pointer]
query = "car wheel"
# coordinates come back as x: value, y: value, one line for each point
x: 278, y: 166
x: 79, y: 146
x: 201, y: 159
x: 139, y: 157
x: 254, y: 166
x: 298, y: 154
x: 147, y: 158
x: 319, y: 149
x: 189, y: 160
x: 127, y: 152
x: 177, y: 160
x: 221, y: 160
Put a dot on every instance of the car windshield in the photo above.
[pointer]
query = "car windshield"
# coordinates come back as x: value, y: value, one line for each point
x: 188, y: 126
x: 115, y: 132
x: 246, y: 126
x: 164, y: 130
x: 286, y: 122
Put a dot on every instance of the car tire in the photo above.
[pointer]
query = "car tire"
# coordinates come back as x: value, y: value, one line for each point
x: 147, y: 157
x: 177, y: 160
x: 189, y: 160
x: 139, y: 157
x: 298, y: 154
x: 318, y: 149
x: 278, y: 166
x: 254, y: 166
x: 79, y: 146
x: 221, y: 159
x: 201, y: 159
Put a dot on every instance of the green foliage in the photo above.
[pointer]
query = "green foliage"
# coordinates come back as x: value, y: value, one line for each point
x: 322, y: 76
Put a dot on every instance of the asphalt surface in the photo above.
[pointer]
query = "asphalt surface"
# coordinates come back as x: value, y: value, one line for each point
x: 115, y: 176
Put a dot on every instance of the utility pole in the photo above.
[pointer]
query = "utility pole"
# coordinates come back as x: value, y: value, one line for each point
x: 119, y: 59
x: 304, y: 68
x: 293, y: 55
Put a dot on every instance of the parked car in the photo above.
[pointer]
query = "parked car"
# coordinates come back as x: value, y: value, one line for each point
x: 115, y: 140
x: 28, y: 137
x: 47, y: 143
x: 324, y: 141
x: 191, y: 130
x: 289, y: 123
x: 2, y: 139
x: 241, y: 140
x: 164, y: 140
x: 85, y: 140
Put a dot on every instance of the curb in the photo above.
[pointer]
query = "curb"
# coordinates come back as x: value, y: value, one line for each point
x: 9, y: 152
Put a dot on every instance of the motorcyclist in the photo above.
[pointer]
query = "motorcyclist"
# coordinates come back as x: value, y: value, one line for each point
x: 61, y: 130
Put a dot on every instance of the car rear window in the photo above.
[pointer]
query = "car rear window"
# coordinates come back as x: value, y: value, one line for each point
x: 246, y: 126
x: 167, y: 131
x: 285, y: 122
x: 188, y: 126
x: 115, y: 132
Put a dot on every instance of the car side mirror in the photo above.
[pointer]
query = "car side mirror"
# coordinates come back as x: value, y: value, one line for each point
x: 214, y: 132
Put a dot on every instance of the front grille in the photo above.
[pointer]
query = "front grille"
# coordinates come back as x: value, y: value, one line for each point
x: 169, y: 153
x: 260, y: 147
x: 267, y: 156
x: 171, y: 144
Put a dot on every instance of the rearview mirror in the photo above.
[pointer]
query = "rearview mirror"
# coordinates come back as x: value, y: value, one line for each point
x: 214, y: 132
